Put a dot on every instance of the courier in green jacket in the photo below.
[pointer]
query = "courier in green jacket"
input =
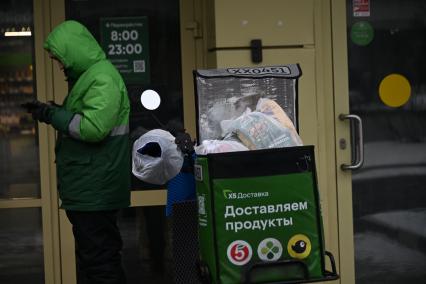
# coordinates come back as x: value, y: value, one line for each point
x: 92, y: 150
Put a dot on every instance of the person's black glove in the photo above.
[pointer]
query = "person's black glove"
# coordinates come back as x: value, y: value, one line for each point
x: 39, y: 111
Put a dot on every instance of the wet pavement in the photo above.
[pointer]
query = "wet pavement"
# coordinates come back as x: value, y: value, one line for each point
x: 392, y: 249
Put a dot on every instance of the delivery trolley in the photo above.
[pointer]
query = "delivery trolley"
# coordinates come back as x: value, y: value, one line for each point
x: 259, y: 217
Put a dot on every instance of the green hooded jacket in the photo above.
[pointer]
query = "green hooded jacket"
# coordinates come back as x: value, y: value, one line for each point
x: 92, y: 150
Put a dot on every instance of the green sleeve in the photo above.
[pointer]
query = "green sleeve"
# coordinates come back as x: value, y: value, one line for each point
x: 61, y: 119
x: 99, y: 110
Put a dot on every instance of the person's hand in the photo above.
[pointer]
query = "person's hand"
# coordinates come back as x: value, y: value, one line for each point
x: 39, y: 111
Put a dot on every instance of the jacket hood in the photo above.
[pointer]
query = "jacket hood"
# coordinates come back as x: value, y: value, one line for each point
x: 75, y: 47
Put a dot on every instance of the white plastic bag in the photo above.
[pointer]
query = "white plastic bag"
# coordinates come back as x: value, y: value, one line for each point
x: 219, y: 146
x: 156, y: 158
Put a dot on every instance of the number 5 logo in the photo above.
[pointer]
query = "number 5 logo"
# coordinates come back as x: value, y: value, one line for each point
x: 239, y: 252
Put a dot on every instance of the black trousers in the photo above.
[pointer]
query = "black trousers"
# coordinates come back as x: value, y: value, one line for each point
x: 98, y: 246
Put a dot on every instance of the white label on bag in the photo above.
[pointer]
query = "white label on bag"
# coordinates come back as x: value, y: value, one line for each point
x: 198, y: 172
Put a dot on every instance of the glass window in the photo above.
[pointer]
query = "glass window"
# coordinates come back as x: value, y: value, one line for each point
x: 147, y: 254
x: 21, y: 246
x: 387, y: 89
x: 158, y: 45
x: 19, y: 160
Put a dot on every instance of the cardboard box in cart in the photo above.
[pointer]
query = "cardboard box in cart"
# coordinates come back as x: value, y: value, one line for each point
x: 259, y: 213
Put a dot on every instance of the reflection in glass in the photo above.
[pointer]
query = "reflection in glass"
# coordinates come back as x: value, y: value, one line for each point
x: 19, y: 160
x: 21, y: 246
x: 146, y: 239
x: 389, y: 194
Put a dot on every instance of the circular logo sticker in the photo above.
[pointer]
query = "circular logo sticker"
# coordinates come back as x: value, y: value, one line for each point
x: 269, y: 249
x: 239, y: 252
x: 362, y: 33
x: 299, y: 246
x: 395, y: 90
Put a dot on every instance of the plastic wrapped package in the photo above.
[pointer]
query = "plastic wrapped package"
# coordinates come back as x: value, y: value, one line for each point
x: 257, y: 130
x: 219, y: 146
x: 156, y: 158
x: 272, y: 109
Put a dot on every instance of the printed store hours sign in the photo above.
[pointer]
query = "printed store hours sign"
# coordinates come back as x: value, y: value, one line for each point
x: 125, y: 41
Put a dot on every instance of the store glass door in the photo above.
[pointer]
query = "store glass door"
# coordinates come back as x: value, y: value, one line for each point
x: 387, y: 89
x: 21, y: 241
x: 143, y: 40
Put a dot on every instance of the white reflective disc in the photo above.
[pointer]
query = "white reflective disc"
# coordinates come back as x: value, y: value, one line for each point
x: 150, y: 99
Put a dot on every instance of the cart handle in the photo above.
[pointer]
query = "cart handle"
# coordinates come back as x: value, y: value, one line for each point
x: 262, y: 265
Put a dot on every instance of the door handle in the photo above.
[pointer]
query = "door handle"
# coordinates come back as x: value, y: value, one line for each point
x: 359, y: 142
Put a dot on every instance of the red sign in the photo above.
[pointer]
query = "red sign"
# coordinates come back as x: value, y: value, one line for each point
x: 239, y: 252
x: 361, y: 8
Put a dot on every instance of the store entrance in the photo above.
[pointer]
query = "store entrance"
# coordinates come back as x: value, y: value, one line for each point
x: 21, y: 238
x: 387, y: 87
x: 36, y: 241
x: 143, y: 40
